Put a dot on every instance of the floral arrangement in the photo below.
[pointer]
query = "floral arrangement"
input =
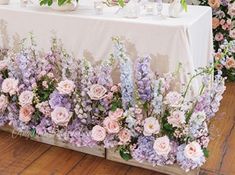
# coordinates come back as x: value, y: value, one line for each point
x: 143, y: 116
x: 59, y: 2
x: 223, y: 13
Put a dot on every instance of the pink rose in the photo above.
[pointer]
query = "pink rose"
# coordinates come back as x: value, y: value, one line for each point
x: 26, y: 113
x: 151, y: 126
x: 219, y: 36
x: 232, y: 33
x: 97, y: 92
x: 10, y: 85
x: 114, y: 88
x: 222, y: 21
x: 231, y: 9
x: 66, y: 87
x: 162, y: 146
x: 193, y: 151
x: 173, y: 99
x: 98, y: 133
x: 176, y: 119
x: 214, y: 3
x: 116, y: 115
x: 26, y: 98
x: 61, y: 116
x: 3, y: 103
x: 124, y: 136
x: 230, y: 63
x: 219, y: 66
x: 215, y: 23
x: 229, y: 21
x: 111, y: 126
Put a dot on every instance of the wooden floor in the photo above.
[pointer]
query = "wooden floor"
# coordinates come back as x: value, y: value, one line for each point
x: 21, y: 156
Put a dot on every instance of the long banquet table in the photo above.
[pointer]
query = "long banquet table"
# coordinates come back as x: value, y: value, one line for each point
x: 169, y: 41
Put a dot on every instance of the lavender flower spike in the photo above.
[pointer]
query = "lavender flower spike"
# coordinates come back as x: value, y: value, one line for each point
x: 143, y: 76
x: 127, y: 83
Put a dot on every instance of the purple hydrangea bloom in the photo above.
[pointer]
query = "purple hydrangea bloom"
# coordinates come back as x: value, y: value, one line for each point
x: 185, y: 163
x: 78, y: 134
x: 59, y: 100
x: 145, y: 152
x: 45, y: 126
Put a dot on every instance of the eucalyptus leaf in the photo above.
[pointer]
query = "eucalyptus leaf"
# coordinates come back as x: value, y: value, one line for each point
x: 125, y: 154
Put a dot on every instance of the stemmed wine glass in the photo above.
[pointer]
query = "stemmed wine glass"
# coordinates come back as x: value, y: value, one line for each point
x: 159, y: 8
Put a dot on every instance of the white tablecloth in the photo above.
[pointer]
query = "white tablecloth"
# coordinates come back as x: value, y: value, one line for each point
x: 187, y: 39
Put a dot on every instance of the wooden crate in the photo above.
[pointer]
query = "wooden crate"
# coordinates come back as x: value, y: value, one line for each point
x: 52, y: 140
x: 113, y: 155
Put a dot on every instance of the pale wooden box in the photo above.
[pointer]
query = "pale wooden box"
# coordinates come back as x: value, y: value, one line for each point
x: 113, y: 155
x: 52, y: 140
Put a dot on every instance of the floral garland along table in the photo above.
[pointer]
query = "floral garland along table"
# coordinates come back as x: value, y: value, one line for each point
x: 143, y: 118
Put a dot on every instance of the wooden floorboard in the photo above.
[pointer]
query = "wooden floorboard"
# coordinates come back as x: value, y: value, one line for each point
x: 19, y: 156
x: 55, y: 161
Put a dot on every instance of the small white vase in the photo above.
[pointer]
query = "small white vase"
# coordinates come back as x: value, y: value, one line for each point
x: 4, y: 2
x: 65, y: 7
x: 132, y: 9
x: 175, y: 9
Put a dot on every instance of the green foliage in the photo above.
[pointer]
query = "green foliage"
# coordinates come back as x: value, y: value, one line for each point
x: 42, y: 92
x: 125, y: 153
x: 121, y: 3
x: 59, y: 2
x: 32, y: 132
x: 117, y: 102
x: 206, y: 152
x: 166, y: 127
x: 184, y: 5
x: 4, y: 74
x: 36, y: 116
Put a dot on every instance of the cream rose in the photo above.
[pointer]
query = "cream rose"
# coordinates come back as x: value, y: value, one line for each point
x: 26, y: 113
x: 97, y: 92
x: 111, y: 126
x: 10, y: 85
x: 162, y: 146
x: 193, y: 151
x: 66, y: 87
x: 151, y: 126
x: 26, y: 98
x: 98, y: 133
x: 61, y: 116
x: 214, y: 3
x: 173, y: 99
x: 176, y: 119
x: 116, y: 115
x: 3, y: 103
x: 231, y: 9
x: 124, y: 136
